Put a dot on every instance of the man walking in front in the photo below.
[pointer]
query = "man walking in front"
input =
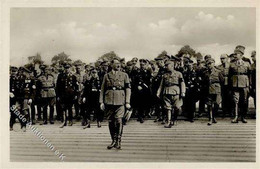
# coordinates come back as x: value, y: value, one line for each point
x: 172, y: 89
x: 114, y: 98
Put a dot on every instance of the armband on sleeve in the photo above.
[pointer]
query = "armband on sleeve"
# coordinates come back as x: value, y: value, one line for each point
x: 128, y: 85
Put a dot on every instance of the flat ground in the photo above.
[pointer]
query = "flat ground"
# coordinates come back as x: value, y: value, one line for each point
x: 147, y: 142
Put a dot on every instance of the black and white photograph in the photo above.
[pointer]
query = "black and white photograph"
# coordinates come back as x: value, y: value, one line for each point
x: 132, y: 84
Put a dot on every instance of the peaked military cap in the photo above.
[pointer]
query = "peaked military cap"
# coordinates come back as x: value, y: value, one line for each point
x: 24, y: 69
x: 158, y: 58
x: 13, y: 68
x: 43, y: 66
x: 104, y: 63
x: 240, y: 49
x: 210, y: 60
x: 170, y: 61
x: 135, y: 58
x: 129, y: 63
x: 144, y: 60
x: 223, y: 56
x: 175, y: 58
x: 207, y: 57
x: 67, y: 65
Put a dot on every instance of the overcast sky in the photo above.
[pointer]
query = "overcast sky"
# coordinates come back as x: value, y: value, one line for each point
x: 87, y: 33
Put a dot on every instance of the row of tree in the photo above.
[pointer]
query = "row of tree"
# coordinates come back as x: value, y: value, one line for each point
x: 63, y: 57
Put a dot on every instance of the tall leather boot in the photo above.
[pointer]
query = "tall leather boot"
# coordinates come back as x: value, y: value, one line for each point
x: 168, y: 125
x: 51, y: 114
x: 175, y: 114
x: 87, y: 124
x: 64, y: 114
x: 214, y: 111
x: 119, y: 134
x: 98, y: 124
x: 44, y: 115
x: 235, y: 120
x: 112, y: 127
x: 210, y: 116
x: 243, y: 119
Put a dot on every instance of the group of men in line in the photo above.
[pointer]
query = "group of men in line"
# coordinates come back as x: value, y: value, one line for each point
x: 166, y: 86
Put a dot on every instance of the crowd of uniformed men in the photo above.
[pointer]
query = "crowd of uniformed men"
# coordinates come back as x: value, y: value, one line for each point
x: 165, y: 87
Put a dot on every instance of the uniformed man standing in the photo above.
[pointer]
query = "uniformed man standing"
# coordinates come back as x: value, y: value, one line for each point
x: 192, y: 89
x: 104, y: 66
x: 225, y: 91
x: 66, y: 93
x: 200, y: 69
x: 90, y: 99
x: 16, y: 101
x: 172, y: 89
x: 47, y: 87
x: 253, y: 77
x: 123, y: 65
x: 77, y: 102
x: 213, y: 79
x: 58, y: 104
x: 114, y: 98
x: 239, y: 73
x: 22, y: 96
x: 141, y: 84
x: 155, y: 83
x: 160, y: 61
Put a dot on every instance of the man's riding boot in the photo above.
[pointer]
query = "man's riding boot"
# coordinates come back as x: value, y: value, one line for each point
x: 113, y: 142
x: 111, y: 126
x: 119, y: 135
x: 64, y: 117
x: 235, y: 120
x: 63, y: 124
x: 163, y: 122
x: 243, y: 119
x: 118, y: 142
x: 210, y: 116
x: 98, y: 124
x: 87, y: 124
x: 210, y: 122
x: 214, y: 112
x: 175, y: 113
x: 70, y: 123
x: 33, y: 122
x: 168, y: 125
x: 214, y: 120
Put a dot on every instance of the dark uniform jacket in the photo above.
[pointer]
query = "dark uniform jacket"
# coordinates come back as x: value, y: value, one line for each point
x: 115, y: 89
x: 91, y: 91
x: 143, y: 79
x: 14, y: 88
x: 191, y: 80
x: 156, y: 80
x: 66, y: 86
x: 23, y: 87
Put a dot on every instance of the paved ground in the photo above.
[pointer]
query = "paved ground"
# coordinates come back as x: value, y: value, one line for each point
x: 147, y: 142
